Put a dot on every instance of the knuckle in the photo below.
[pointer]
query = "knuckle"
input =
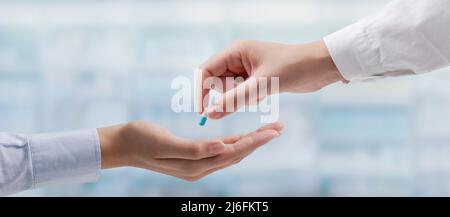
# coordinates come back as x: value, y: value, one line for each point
x: 196, y: 151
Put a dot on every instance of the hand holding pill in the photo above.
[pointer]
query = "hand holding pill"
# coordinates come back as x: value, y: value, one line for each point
x: 299, y: 69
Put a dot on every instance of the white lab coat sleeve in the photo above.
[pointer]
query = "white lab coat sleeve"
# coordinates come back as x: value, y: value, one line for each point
x: 405, y: 37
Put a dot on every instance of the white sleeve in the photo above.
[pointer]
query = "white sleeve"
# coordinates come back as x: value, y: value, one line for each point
x: 31, y: 161
x: 405, y: 37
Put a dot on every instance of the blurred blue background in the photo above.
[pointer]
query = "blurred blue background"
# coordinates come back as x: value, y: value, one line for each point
x: 68, y: 65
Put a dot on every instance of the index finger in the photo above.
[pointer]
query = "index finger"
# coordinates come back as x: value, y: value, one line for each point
x: 224, y: 64
x: 252, y: 141
x: 202, y: 94
x: 278, y: 126
x: 241, y: 148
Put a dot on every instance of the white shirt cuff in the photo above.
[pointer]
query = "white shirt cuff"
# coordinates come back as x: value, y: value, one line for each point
x: 350, y: 49
x: 70, y: 157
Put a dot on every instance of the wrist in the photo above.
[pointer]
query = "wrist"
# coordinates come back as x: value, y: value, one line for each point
x: 111, y: 143
x: 311, y: 69
x: 322, y: 65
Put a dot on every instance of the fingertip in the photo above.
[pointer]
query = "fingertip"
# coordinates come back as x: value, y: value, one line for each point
x: 215, y: 115
x: 265, y: 136
x: 278, y: 126
x: 272, y: 133
x: 201, y: 93
x: 211, y: 109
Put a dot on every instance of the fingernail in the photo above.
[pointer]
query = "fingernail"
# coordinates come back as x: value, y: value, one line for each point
x: 217, y: 148
x: 274, y: 133
x: 211, y: 109
x: 213, y: 113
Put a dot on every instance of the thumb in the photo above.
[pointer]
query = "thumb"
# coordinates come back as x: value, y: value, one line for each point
x: 232, y: 100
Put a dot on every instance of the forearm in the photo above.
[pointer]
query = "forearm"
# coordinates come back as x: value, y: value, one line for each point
x: 110, y: 140
x: 319, y: 65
